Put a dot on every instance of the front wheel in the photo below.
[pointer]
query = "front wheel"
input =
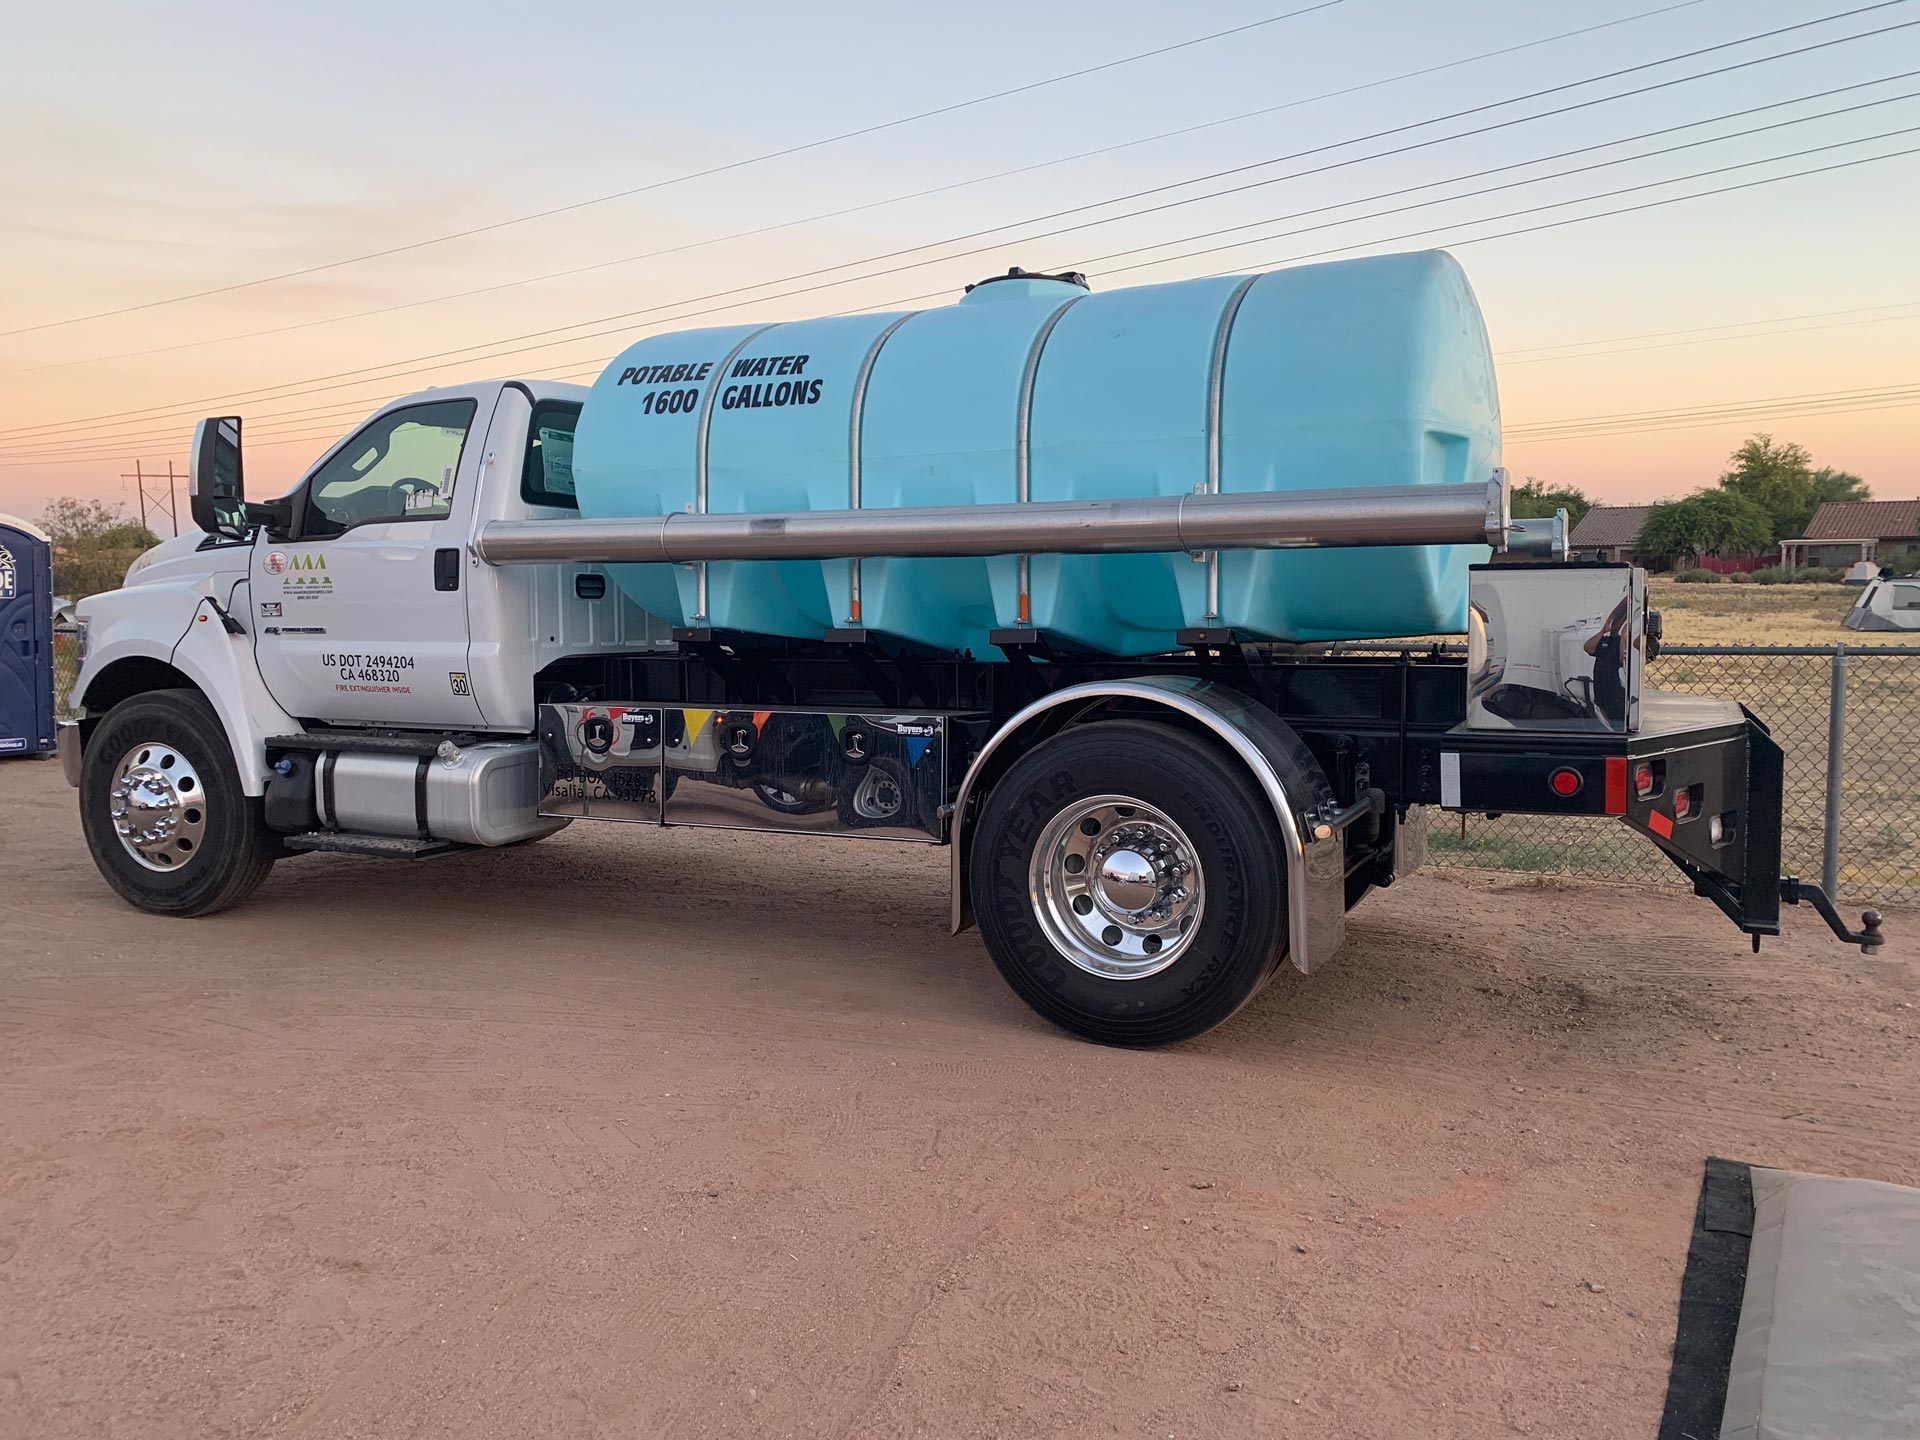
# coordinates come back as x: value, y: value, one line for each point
x: 162, y: 809
x: 1128, y: 879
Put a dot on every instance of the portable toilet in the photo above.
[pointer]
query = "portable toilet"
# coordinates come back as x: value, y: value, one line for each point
x: 26, y: 639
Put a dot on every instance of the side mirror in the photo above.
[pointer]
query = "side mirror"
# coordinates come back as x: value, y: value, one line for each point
x: 217, y: 493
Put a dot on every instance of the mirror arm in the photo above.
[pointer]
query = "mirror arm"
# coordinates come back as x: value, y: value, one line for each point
x: 273, y: 516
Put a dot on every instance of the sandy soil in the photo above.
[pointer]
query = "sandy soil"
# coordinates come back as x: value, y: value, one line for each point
x: 1730, y: 614
x: 644, y: 1134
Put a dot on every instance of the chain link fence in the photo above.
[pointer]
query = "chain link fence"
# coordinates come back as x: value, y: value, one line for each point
x: 1805, y: 695
x: 66, y: 665
x: 1873, y: 692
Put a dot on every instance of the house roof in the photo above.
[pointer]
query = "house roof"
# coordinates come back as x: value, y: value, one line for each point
x: 1865, y: 520
x: 1607, y: 525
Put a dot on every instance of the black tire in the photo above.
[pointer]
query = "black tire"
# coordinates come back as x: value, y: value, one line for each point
x: 877, y: 792
x: 236, y: 849
x: 1238, y: 934
x: 784, y: 802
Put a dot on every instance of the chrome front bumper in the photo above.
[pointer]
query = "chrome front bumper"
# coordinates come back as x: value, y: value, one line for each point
x: 68, y: 734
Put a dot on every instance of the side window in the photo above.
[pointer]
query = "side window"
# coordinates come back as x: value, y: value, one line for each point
x: 1906, y: 597
x: 401, y: 467
x: 546, y: 473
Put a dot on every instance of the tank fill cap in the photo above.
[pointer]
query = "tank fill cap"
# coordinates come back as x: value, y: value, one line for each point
x: 1018, y: 284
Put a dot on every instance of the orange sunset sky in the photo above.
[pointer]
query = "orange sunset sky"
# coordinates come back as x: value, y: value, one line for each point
x: 271, y: 157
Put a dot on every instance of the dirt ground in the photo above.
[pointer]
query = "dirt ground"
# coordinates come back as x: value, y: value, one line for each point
x: 1732, y: 614
x: 689, y: 1134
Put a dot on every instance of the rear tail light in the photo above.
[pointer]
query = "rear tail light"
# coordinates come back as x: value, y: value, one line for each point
x: 1565, y: 782
x: 1645, y: 782
x: 1687, y: 801
x: 1681, y: 804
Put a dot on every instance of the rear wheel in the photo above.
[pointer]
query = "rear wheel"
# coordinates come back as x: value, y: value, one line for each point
x: 164, y: 815
x: 1128, y: 882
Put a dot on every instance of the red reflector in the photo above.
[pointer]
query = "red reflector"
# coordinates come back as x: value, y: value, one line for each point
x: 1565, y: 782
x: 1660, y: 825
x: 1682, y: 802
x: 1616, y: 784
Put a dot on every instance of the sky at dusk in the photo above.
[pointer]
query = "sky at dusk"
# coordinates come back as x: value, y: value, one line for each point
x: 160, y: 152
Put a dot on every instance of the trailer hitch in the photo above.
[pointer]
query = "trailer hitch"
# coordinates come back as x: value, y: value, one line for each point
x: 1793, y: 890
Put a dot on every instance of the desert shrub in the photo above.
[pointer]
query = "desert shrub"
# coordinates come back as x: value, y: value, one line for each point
x: 1740, y: 577
x: 1817, y: 575
x: 1770, y: 575
x: 1696, y: 577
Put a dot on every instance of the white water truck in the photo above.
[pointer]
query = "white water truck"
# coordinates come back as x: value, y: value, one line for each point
x: 1059, y: 580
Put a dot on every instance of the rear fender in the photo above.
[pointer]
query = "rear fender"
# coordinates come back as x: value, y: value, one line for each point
x: 1278, y: 763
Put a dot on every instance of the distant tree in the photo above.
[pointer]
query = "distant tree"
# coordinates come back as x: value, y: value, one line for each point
x: 1535, y: 499
x: 1779, y: 477
x: 93, y: 544
x: 1707, y: 522
x: 1829, y: 484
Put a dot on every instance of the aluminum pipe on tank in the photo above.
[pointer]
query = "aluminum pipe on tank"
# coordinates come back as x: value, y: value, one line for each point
x: 1260, y: 520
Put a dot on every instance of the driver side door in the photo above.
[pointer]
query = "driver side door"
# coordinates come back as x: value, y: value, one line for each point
x: 360, y: 617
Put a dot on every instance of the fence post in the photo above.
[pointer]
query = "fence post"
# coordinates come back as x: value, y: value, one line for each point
x: 1836, y: 750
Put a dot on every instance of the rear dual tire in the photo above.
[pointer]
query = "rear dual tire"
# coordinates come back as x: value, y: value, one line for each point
x: 1129, y: 883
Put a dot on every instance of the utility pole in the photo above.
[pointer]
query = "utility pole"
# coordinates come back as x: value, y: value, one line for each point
x: 151, y: 500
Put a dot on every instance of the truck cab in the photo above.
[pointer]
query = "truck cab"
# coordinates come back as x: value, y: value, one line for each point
x: 358, y: 599
x: 371, y: 605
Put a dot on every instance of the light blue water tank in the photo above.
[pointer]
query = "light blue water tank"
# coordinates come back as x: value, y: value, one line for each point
x: 1353, y: 374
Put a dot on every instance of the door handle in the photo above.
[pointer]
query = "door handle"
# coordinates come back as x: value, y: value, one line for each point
x: 446, y: 569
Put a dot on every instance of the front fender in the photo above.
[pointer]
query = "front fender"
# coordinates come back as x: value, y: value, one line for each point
x: 178, y: 625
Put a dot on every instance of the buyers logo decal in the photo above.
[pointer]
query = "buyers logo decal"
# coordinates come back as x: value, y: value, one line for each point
x: 270, y: 609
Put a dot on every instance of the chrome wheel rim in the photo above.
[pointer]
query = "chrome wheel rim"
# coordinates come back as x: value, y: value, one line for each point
x: 877, y: 796
x: 1117, y: 887
x: 158, y: 805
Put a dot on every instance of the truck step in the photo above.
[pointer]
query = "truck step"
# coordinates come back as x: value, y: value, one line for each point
x: 391, y: 847
x: 368, y: 742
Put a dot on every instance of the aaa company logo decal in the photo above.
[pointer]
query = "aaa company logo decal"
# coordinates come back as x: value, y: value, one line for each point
x: 303, y: 574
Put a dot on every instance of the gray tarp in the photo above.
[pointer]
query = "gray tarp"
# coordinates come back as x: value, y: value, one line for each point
x: 1829, y: 1339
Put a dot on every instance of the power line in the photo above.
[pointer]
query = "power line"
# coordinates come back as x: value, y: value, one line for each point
x: 870, y: 204
x: 1703, y: 329
x: 1683, y: 411
x: 1572, y: 220
x: 692, y: 175
x: 1531, y: 209
x: 1521, y: 164
x: 24, y: 448
x: 312, y: 384
x: 1711, y: 340
x: 113, y: 442
x: 1529, y: 180
x: 1731, y: 417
